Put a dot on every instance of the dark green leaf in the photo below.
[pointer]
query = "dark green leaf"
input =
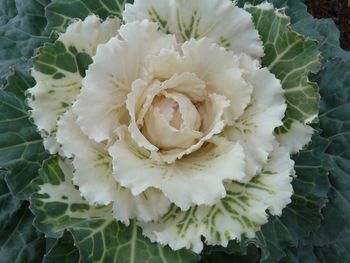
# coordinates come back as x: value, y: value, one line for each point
x: 331, y: 240
x: 22, y: 29
x: 251, y: 255
x: 302, y: 216
x: 302, y: 253
x: 338, y: 250
x: 323, y: 30
x: 54, y: 58
x: 61, y: 12
x: 335, y: 123
x: 19, y: 240
x: 21, y: 149
x: 63, y: 251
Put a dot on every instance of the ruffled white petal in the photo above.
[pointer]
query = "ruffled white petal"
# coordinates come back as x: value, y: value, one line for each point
x: 86, y: 35
x: 186, y: 83
x: 187, y: 111
x: 108, y: 81
x: 93, y: 176
x: 52, y: 96
x: 146, y: 207
x: 183, y: 181
x: 254, y: 129
x: 296, y: 138
x: 93, y: 165
x: 50, y: 142
x: 134, y: 102
x: 220, y: 20
x: 240, y: 213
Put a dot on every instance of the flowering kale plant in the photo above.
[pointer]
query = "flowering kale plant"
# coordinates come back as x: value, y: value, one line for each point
x: 172, y: 131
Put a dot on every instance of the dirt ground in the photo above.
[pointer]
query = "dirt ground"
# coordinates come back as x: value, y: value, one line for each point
x: 336, y: 9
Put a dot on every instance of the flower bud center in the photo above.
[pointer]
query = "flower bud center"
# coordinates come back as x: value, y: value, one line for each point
x: 169, y: 108
x: 172, y: 121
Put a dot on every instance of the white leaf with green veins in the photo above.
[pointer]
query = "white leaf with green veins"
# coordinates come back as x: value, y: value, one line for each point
x: 291, y: 59
x: 59, y: 69
x: 240, y: 213
x: 197, y: 19
x: 181, y: 182
x: 93, y: 175
x: 57, y: 206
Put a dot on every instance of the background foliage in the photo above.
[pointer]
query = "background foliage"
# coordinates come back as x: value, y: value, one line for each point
x: 315, y: 227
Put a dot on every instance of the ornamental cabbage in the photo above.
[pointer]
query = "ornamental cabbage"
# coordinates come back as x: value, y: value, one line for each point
x: 175, y: 124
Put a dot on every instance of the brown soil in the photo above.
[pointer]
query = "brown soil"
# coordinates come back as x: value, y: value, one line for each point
x: 336, y: 9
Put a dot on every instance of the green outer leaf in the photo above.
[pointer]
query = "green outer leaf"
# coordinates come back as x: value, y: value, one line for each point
x: 302, y: 216
x: 298, y: 254
x: 62, y: 12
x: 22, y: 29
x: 63, y: 251
x: 55, y: 57
x: 324, y: 31
x: 335, y: 125
x: 19, y: 240
x: 311, y: 186
x: 299, y: 218
x: 291, y: 59
x: 21, y: 149
x: 338, y: 250
x: 122, y: 244
x: 251, y: 255
x: 57, y: 206
x: 334, y: 121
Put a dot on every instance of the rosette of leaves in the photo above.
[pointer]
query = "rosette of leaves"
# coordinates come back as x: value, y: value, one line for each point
x: 302, y: 232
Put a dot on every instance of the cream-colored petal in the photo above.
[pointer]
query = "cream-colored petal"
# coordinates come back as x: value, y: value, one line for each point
x: 185, y: 181
x: 254, y: 129
x: 221, y: 72
x: 219, y: 69
x: 140, y: 92
x: 240, y: 213
x: 186, y: 83
x: 219, y: 20
x: 188, y: 112
x: 166, y: 63
x: 117, y: 64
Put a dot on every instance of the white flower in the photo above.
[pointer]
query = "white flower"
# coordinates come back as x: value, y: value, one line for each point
x: 174, y: 122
